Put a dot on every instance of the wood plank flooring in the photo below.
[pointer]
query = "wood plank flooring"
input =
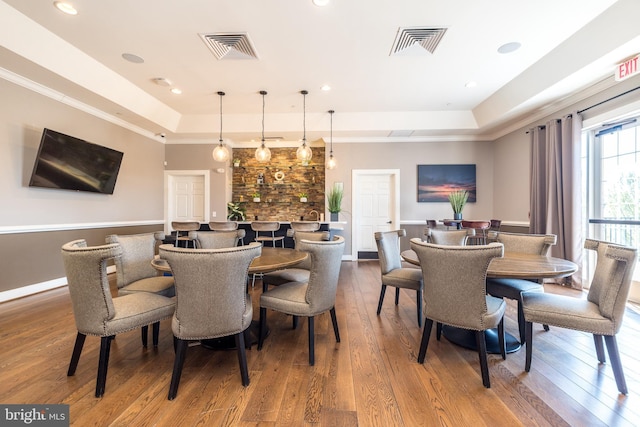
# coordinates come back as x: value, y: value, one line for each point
x: 370, y: 378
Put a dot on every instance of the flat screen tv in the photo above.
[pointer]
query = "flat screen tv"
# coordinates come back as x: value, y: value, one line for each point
x: 69, y: 163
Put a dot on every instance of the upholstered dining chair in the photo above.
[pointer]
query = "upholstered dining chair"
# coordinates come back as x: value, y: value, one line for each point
x: 455, y: 294
x: 448, y: 237
x: 96, y: 312
x: 393, y: 273
x: 216, y: 239
x: 305, y: 225
x: 269, y: 228
x: 538, y: 244
x: 211, y: 300
x: 300, y: 272
x: 600, y: 314
x: 134, y: 272
x: 431, y: 223
x: 312, y: 297
x: 185, y: 227
x: 228, y: 226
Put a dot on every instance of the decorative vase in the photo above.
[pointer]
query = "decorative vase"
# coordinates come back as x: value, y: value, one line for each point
x: 303, y: 199
x: 457, y: 216
x: 236, y: 164
x: 256, y: 199
x: 334, y: 216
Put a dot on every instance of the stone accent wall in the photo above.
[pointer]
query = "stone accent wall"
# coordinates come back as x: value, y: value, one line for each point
x: 279, y: 198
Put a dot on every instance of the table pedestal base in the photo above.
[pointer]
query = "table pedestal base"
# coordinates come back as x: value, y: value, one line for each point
x: 229, y: 343
x: 467, y: 339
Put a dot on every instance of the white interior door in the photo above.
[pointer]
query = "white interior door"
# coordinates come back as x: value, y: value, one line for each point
x: 376, y: 206
x: 187, y: 196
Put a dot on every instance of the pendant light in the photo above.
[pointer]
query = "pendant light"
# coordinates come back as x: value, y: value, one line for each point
x: 304, y: 152
x: 221, y: 152
x: 263, y: 154
x: 332, y: 163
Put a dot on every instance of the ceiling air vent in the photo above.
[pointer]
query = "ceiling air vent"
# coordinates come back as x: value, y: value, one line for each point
x: 427, y: 38
x: 230, y: 45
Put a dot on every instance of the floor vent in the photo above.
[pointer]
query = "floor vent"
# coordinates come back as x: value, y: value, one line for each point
x: 230, y: 45
x: 427, y: 38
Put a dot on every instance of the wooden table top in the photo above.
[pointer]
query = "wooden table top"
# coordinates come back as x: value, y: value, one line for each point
x: 271, y: 259
x: 518, y: 266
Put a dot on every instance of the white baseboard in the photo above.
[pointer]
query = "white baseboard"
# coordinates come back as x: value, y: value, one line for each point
x: 36, y: 288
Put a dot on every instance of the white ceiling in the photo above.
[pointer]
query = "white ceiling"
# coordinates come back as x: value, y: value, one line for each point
x: 567, y: 45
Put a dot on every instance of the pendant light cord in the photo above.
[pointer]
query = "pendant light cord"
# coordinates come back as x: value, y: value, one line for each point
x: 221, y: 95
x: 263, y: 93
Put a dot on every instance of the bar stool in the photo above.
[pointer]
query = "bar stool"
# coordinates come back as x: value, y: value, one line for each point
x: 270, y: 228
x: 186, y: 227
x: 480, y: 228
x: 227, y: 226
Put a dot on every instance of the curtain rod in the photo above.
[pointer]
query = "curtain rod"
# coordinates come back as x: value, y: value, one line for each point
x: 609, y: 99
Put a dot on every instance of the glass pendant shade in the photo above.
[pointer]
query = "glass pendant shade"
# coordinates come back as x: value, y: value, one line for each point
x: 304, y: 153
x: 220, y: 153
x: 263, y: 154
x: 332, y: 163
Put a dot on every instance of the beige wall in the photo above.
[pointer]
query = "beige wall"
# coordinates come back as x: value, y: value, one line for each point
x: 32, y: 257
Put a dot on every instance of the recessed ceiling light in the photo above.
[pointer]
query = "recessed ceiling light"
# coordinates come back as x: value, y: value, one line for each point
x: 132, y: 58
x: 65, y: 7
x: 321, y: 2
x: 325, y: 88
x: 509, y: 47
x: 471, y: 84
x: 176, y: 91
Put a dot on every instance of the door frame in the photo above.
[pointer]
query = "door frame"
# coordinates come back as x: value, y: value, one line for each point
x: 356, y: 176
x: 169, y: 177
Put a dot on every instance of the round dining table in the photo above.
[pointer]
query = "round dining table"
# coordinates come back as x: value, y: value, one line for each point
x: 270, y: 259
x: 512, y: 266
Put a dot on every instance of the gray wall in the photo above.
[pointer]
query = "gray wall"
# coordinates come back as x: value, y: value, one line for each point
x: 29, y: 256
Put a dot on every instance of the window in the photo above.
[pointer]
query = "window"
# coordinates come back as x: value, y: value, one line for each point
x: 611, y: 184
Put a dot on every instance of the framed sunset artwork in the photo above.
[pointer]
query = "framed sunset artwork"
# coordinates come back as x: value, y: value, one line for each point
x: 435, y: 182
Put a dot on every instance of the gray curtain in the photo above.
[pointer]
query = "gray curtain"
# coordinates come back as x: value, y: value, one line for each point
x: 556, y: 201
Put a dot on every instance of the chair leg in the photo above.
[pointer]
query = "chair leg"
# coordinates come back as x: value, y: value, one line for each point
x: 426, y: 333
x: 181, y: 353
x: 438, y: 330
x: 616, y: 364
x: 144, y: 332
x: 501, y: 340
x: 75, y: 356
x: 546, y: 327
x: 334, y: 321
x: 382, y: 292
x: 312, y: 357
x: 156, y: 334
x: 294, y: 322
x: 242, y: 359
x: 528, y: 333
x: 482, y: 355
x: 397, y: 295
x: 598, y: 341
x: 262, y: 327
x: 419, y: 307
x: 103, y: 364
x: 521, y: 320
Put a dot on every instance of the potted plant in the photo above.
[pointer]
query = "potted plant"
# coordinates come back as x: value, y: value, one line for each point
x: 458, y: 199
x: 256, y: 196
x: 236, y: 163
x: 334, y: 201
x: 303, y: 197
x: 235, y: 211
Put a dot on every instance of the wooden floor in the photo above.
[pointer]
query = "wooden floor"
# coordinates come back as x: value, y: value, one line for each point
x: 371, y: 378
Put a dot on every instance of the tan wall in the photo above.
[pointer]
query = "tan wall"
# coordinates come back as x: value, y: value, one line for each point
x: 29, y: 258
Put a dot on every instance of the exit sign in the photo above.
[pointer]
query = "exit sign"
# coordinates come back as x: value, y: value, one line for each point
x: 628, y: 68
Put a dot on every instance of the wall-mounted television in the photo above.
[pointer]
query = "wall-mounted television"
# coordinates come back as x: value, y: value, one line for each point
x: 69, y: 163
